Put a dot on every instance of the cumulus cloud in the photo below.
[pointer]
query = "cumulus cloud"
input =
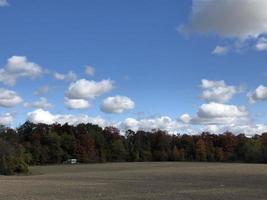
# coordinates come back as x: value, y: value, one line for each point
x: 70, y: 76
x: 46, y: 117
x: 117, y: 104
x: 4, y: 3
x: 9, y: 98
x: 185, y: 118
x: 248, y: 129
x: 261, y: 44
x: 212, y: 110
x: 217, y: 117
x: 85, y: 89
x: 147, y: 124
x: 218, y: 91
x: 89, y: 70
x: 6, y: 119
x: 130, y: 124
x: 260, y: 94
x: 220, y: 50
x: 77, y: 103
x: 217, y: 114
x: 240, y: 21
x: 163, y: 123
x: 19, y: 67
x: 41, y: 103
x: 41, y: 116
x: 227, y: 18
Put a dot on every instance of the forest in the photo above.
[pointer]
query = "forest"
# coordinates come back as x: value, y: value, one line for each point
x: 41, y: 144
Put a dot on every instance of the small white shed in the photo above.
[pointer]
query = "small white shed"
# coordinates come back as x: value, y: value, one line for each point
x: 72, y: 161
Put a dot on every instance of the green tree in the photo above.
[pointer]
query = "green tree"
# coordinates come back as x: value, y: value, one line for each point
x: 252, y: 150
x: 175, y: 154
x: 12, y: 159
x: 201, y: 151
x: 219, y: 154
x: 118, y: 151
x: 52, y: 147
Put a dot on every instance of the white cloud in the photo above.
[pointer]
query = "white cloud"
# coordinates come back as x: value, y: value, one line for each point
x: 77, y: 103
x: 117, y: 104
x: 6, y: 119
x: 4, y: 3
x: 19, y: 67
x: 70, y: 76
x: 185, y: 118
x: 42, y: 103
x: 217, y: 91
x: 9, y: 98
x: 130, y: 124
x: 89, y: 70
x: 248, y: 129
x: 85, y: 89
x: 261, y: 44
x: 260, y: 94
x: 228, y: 18
x: 217, y: 117
x: 212, y: 110
x: 147, y: 124
x: 211, y: 129
x: 258, y: 129
x: 220, y: 114
x: 164, y: 123
x: 221, y: 50
x: 242, y: 22
x: 42, y: 116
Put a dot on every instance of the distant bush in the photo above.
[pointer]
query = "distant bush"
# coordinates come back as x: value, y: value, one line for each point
x: 13, y: 160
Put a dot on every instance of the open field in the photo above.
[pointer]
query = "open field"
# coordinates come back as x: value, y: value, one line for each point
x: 183, y: 181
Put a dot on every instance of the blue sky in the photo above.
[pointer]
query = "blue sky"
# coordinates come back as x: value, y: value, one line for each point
x: 155, y: 54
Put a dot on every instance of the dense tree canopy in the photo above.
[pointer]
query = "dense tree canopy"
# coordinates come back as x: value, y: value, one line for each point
x: 38, y: 144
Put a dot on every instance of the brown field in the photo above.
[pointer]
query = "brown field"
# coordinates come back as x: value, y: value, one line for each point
x: 181, y: 181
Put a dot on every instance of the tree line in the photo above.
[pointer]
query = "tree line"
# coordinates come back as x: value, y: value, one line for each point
x: 41, y: 144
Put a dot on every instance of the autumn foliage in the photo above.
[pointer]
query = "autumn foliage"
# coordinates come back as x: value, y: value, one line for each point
x: 39, y: 144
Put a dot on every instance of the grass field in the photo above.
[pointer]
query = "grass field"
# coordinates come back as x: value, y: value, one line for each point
x: 181, y: 181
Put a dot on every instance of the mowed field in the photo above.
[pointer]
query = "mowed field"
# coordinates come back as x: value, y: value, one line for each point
x: 120, y: 181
